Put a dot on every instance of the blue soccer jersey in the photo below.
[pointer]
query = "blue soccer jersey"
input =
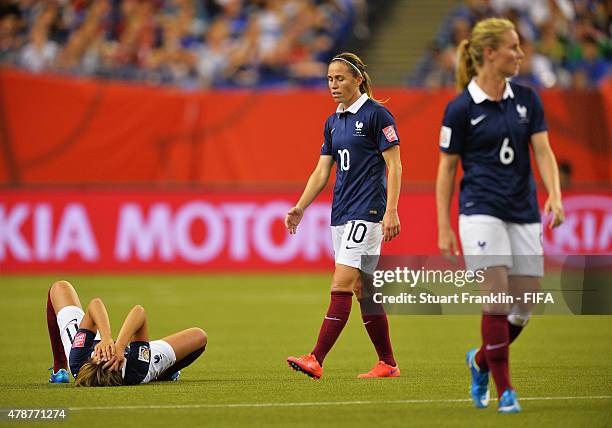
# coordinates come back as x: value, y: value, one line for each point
x: 356, y: 138
x: 493, y: 141
x: 137, y: 357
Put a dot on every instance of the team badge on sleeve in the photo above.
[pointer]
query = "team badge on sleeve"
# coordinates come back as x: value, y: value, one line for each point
x: 445, y: 137
x: 79, y: 340
x: 144, y: 353
x: 390, y: 134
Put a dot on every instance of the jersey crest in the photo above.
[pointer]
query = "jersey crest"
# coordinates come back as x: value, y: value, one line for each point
x: 79, y: 340
x: 390, y: 134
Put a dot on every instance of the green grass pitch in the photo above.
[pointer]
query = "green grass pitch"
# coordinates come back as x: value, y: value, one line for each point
x: 255, y: 321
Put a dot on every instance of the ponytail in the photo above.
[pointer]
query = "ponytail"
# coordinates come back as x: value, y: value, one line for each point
x: 465, y: 66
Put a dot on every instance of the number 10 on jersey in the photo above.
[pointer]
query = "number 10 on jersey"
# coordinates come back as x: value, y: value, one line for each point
x: 344, y: 160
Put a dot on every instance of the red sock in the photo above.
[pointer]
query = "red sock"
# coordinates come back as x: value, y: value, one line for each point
x: 59, y: 357
x: 375, y: 322
x: 335, y: 320
x: 513, y: 333
x: 495, y: 339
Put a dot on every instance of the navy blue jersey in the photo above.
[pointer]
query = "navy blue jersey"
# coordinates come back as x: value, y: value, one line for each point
x: 493, y: 140
x: 356, y: 138
x: 137, y: 357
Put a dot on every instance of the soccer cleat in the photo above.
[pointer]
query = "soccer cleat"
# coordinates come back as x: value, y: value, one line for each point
x: 381, y: 369
x: 508, y: 402
x: 60, y: 377
x: 169, y: 378
x: 479, y: 390
x: 307, y: 364
x: 175, y: 376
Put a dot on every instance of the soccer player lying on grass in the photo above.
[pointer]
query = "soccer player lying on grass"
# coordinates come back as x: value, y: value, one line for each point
x: 84, y: 340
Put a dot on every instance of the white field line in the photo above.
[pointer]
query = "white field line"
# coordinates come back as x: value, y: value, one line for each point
x: 320, y: 403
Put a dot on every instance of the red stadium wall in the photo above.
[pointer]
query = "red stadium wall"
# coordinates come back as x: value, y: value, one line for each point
x: 184, y: 231
x: 67, y: 134
x: 57, y: 130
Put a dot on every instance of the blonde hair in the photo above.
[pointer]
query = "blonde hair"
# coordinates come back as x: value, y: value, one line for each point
x: 487, y: 33
x: 358, y: 69
x: 92, y: 374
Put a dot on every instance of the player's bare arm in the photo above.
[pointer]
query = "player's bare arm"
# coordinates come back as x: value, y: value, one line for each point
x: 549, y: 171
x: 96, y: 319
x: 134, y: 328
x: 316, y: 183
x: 445, y: 184
x: 391, y: 222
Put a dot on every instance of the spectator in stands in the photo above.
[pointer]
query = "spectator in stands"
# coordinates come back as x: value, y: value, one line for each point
x: 40, y: 53
x: 216, y: 57
x: 82, y: 41
x: 589, y: 67
x: 442, y: 73
x: 161, y: 41
x: 549, y: 43
x: 571, y: 41
x: 10, y: 39
x: 536, y: 70
x: 474, y: 11
x: 172, y: 61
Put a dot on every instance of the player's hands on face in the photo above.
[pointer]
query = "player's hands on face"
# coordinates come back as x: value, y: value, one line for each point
x: 115, y: 363
x: 390, y: 225
x: 293, y: 218
x: 447, y: 242
x: 104, y: 350
x: 553, y: 204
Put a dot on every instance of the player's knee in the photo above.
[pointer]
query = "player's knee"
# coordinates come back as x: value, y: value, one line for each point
x: 139, y: 309
x: 341, y: 287
x: 519, y: 320
x: 200, y: 337
x: 61, y: 286
x: 96, y: 301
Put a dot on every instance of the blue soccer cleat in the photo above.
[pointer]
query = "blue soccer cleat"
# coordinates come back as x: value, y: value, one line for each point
x: 60, y: 377
x: 508, y: 403
x: 479, y: 389
x: 171, y: 378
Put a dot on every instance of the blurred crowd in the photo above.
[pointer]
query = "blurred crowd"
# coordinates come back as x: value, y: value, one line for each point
x: 236, y: 43
x: 190, y: 43
x: 566, y: 43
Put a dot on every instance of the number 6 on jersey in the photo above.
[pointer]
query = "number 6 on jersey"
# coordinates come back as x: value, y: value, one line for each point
x: 506, y: 154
